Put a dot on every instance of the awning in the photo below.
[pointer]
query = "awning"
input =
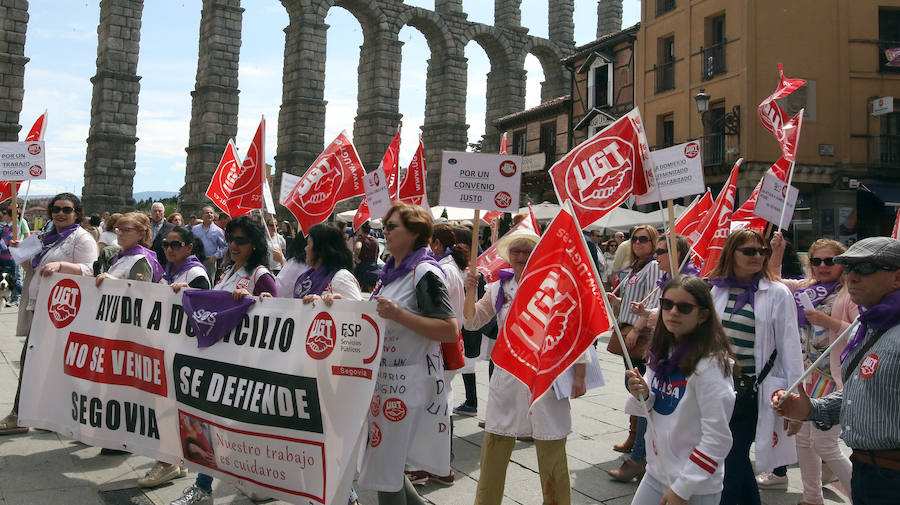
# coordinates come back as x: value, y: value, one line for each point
x: 887, y: 193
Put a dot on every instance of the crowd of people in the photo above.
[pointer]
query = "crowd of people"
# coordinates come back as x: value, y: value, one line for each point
x: 712, y: 359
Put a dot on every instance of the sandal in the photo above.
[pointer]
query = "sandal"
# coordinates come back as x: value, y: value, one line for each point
x: 9, y: 425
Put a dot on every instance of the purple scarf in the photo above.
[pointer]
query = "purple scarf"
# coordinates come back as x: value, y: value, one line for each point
x: 49, y: 240
x: 213, y: 314
x: 504, y: 274
x: 148, y: 254
x: 688, y: 269
x: 390, y: 272
x: 439, y: 257
x: 817, y: 294
x: 881, y: 317
x: 188, y: 263
x: 313, y: 281
x: 749, y: 294
x: 665, y: 367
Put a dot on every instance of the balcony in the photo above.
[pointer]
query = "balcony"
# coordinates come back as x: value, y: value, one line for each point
x: 713, y: 61
x: 664, y: 6
x: 712, y: 146
x: 886, y: 150
x: 665, y: 76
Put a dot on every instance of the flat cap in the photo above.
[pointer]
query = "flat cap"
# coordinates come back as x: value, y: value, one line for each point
x: 879, y: 250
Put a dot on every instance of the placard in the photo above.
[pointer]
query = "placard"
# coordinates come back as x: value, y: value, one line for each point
x: 288, y: 181
x: 480, y: 181
x: 377, y: 196
x: 22, y: 161
x: 771, y: 200
x: 679, y: 172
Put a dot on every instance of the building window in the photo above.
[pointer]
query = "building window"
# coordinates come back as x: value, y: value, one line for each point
x: 714, y: 135
x: 889, y: 140
x: 600, y: 84
x: 518, y: 145
x: 713, y: 55
x: 664, y: 6
x: 547, y: 142
x: 665, y: 128
x: 665, y: 69
x: 889, y: 39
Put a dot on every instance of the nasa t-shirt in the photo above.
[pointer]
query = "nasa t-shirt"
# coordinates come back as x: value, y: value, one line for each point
x: 668, y: 392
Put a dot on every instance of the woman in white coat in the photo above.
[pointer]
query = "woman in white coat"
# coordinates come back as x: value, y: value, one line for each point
x: 760, y: 319
x: 510, y: 413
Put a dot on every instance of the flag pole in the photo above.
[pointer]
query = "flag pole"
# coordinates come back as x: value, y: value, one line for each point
x: 469, y: 308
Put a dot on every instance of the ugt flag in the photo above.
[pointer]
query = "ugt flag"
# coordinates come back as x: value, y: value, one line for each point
x: 236, y: 187
x: 786, y: 129
x: 412, y: 189
x: 693, y: 215
x: 604, y: 170
x: 336, y: 175
x: 489, y: 263
x: 718, y: 225
x: 557, y: 312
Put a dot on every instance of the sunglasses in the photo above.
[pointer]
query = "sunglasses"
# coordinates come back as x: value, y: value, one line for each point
x: 753, y: 251
x: 683, y: 307
x: 175, y: 244
x: 122, y: 230
x: 867, y: 268
x: 391, y: 226
x: 660, y: 252
x: 65, y: 210
x: 818, y: 261
x: 238, y: 240
x: 643, y: 239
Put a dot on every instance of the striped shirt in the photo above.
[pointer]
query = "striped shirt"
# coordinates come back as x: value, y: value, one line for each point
x: 636, y: 286
x: 868, y: 408
x: 740, y: 327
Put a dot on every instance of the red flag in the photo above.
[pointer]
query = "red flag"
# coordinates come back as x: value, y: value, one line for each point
x: 412, y: 189
x: 693, y: 215
x: 37, y: 130
x: 598, y: 175
x: 745, y: 212
x: 236, y: 187
x: 490, y: 262
x: 503, y: 144
x: 336, y: 175
x: 490, y: 216
x: 718, y: 224
x: 557, y: 311
x: 896, y: 232
x: 390, y: 162
x: 223, y: 179
x: 786, y: 129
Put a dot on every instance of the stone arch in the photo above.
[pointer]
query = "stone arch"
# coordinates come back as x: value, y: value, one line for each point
x: 555, y: 82
x: 429, y: 24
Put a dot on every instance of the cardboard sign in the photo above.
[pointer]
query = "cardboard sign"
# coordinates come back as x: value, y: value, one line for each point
x: 22, y: 161
x: 480, y: 181
x: 377, y: 195
x: 288, y: 181
x: 771, y: 200
x: 679, y: 172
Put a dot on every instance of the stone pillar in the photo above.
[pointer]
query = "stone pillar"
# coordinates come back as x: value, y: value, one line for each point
x: 448, y: 6
x: 109, y: 165
x: 505, y: 95
x: 214, y: 104
x: 13, y: 21
x: 609, y: 16
x: 561, y: 25
x: 377, y: 113
x: 445, y: 125
x: 508, y: 13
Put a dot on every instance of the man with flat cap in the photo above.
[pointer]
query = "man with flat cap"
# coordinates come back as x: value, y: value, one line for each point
x: 868, y: 408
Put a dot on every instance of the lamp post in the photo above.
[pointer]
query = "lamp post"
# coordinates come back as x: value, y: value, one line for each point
x: 702, y: 99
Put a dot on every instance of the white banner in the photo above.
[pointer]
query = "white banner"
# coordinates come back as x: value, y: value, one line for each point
x: 277, y: 406
x: 480, y: 181
x: 771, y: 197
x: 679, y: 172
x: 377, y: 196
x: 22, y: 161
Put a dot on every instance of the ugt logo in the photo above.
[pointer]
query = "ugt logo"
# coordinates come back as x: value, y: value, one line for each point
x: 322, y: 336
x: 601, y: 174
x: 549, y: 309
x: 64, y: 302
x: 318, y: 186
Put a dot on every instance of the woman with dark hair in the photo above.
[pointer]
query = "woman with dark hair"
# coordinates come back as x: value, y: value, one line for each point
x: 690, y: 398
x: 760, y: 320
x: 66, y: 248
x: 183, y: 268
x: 294, y: 265
x: 329, y: 261
x: 248, y: 251
x: 412, y: 297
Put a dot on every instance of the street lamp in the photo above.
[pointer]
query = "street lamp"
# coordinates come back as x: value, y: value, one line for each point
x: 702, y: 99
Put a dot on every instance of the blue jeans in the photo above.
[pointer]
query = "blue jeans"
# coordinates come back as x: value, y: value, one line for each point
x: 204, y: 482
x: 639, y: 451
x: 873, y: 485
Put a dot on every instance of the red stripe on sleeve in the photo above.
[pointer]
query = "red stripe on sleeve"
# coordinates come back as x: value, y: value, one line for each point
x: 702, y: 464
x: 706, y: 458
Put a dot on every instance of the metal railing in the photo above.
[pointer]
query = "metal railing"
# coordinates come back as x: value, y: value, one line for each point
x: 887, y: 149
x: 664, y: 6
x: 665, y: 76
x: 713, y: 149
x: 713, y: 61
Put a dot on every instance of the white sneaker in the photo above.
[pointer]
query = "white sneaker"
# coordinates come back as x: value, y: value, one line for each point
x: 194, y: 496
x: 161, y: 472
x: 769, y: 480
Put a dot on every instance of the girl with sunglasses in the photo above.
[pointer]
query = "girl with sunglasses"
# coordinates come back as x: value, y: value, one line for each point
x: 834, y: 311
x: 183, y: 268
x: 247, y: 275
x: 760, y: 321
x: 690, y: 396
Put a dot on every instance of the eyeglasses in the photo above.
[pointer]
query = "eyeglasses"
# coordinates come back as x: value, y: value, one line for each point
x: 643, y: 239
x: 660, y: 252
x: 123, y: 229
x: 175, y: 244
x: 818, y: 261
x: 391, y: 226
x: 753, y: 251
x: 238, y: 240
x: 65, y: 210
x: 867, y: 268
x: 683, y: 307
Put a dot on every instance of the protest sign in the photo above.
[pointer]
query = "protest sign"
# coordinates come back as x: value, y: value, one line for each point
x: 288, y: 181
x: 277, y: 406
x: 480, y: 181
x: 679, y: 172
x: 771, y: 200
x: 22, y: 161
x: 377, y: 194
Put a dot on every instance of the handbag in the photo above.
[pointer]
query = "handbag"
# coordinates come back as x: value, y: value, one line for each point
x: 746, y: 387
x: 453, y: 353
x: 638, y: 350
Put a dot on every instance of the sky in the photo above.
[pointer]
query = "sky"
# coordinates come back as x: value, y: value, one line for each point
x: 61, y: 43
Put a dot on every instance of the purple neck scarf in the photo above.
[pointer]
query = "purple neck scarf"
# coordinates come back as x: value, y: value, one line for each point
x: 817, y: 294
x: 213, y: 314
x: 146, y: 253
x: 665, y: 367
x: 392, y: 272
x: 188, y: 263
x: 504, y: 274
x: 749, y: 294
x: 49, y: 240
x: 447, y: 252
x: 313, y: 281
x: 881, y: 317
x: 688, y: 269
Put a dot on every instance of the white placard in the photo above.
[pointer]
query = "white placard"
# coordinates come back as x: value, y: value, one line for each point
x: 771, y: 200
x: 26, y: 249
x: 679, y: 172
x: 883, y: 105
x: 22, y: 161
x: 267, y: 197
x: 480, y: 181
x: 377, y: 195
x: 288, y: 181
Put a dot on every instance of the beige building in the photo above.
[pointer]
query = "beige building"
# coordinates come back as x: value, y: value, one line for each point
x: 848, y: 165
